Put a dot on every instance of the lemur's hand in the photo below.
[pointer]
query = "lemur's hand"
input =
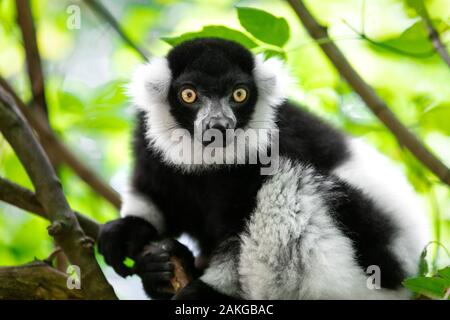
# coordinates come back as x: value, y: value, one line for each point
x: 125, y: 237
x: 157, y: 270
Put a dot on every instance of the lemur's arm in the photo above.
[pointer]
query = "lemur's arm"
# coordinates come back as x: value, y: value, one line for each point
x: 143, y: 223
x: 221, y: 279
x: 136, y: 204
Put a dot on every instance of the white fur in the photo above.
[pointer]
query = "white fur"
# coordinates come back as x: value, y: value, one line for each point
x: 149, y: 89
x: 273, y: 82
x: 137, y: 205
x: 293, y: 249
x: 379, y: 179
x: 222, y: 274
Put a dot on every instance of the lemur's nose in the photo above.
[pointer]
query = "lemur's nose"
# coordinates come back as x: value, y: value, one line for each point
x: 221, y: 124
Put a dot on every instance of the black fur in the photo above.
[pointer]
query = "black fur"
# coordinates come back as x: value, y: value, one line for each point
x: 306, y: 138
x: 124, y: 238
x: 370, y: 229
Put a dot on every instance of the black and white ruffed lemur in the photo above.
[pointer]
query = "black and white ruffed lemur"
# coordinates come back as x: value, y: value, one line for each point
x: 332, y: 208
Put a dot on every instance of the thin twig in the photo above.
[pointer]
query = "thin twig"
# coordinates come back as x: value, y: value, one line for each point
x: 58, y: 150
x: 64, y: 228
x: 55, y: 253
x: 104, y: 13
x: 25, y: 199
x: 432, y: 33
x: 369, y: 96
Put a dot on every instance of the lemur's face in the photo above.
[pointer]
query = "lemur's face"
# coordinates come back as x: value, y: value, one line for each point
x: 212, y: 86
x: 208, y: 84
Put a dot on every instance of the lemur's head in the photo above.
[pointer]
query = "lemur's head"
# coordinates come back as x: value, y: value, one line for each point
x: 207, y: 84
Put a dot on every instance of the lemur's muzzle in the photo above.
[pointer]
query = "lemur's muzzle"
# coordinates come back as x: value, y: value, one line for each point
x: 214, y: 117
x: 220, y: 123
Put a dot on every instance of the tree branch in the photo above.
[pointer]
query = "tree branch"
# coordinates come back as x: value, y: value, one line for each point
x: 64, y: 226
x: 369, y: 96
x: 25, y: 199
x: 432, y: 33
x: 34, y: 65
x: 38, y: 280
x: 104, y: 13
x: 54, y: 147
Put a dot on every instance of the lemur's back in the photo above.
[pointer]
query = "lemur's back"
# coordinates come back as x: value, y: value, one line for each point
x: 307, y: 138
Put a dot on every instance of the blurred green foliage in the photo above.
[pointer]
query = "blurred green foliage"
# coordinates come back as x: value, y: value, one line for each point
x: 86, y: 69
x: 432, y: 284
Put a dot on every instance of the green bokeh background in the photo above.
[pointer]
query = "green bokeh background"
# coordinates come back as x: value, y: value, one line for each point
x: 86, y: 69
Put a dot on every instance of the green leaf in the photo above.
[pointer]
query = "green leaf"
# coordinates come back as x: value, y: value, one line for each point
x: 437, y: 119
x: 69, y: 102
x: 138, y: 20
x: 445, y: 273
x: 274, y: 53
x: 109, y: 96
x: 213, y: 32
x: 429, y: 286
x: 413, y: 41
x: 264, y: 26
x: 418, y: 6
x: 129, y: 262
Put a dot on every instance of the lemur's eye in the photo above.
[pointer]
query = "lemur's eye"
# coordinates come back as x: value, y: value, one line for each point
x: 188, y: 95
x: 239, y: 95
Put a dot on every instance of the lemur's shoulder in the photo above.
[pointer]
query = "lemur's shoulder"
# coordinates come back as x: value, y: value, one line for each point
x: 307, y: 138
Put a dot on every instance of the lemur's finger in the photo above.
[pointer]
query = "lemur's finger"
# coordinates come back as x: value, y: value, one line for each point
x: 114, y: 256
x: 163, y: 251
x: 157, y: 277
x: 154, y: 267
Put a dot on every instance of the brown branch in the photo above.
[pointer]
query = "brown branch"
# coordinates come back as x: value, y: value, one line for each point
x: 34, y: 64
x: 25, y: 199
x: 54, y: 147
x: 432, y: 33
x: 100, y: 10
x: 56, y: 151
x: 64, y: 226
x: 36, y: 280
x: 369, y: 96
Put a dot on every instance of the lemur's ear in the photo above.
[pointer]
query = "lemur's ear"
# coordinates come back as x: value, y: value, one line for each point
x: 273, y: 80
x: 150, y: 83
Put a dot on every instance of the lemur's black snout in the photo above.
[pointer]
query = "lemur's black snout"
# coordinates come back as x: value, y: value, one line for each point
x: 217, y: 130
x: 221, y: 124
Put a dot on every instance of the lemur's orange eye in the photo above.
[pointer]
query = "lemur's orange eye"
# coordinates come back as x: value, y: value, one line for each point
x: 239, y: 95
x: 188, y: 95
